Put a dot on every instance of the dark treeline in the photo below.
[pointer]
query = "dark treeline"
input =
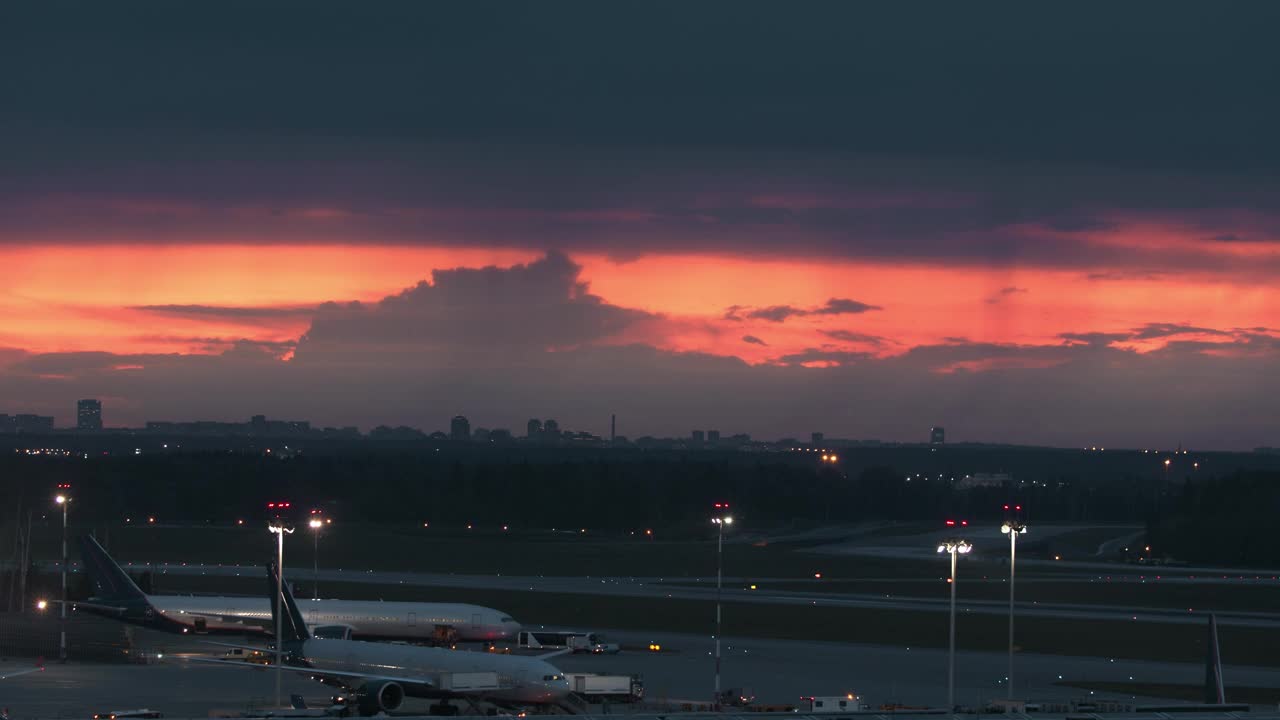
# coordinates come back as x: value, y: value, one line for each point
x: 1229, y: 520
x: 619, y: 491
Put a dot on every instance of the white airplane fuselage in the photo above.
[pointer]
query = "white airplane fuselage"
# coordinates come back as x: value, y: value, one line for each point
x: 370, y: 619
x: 518, y: 679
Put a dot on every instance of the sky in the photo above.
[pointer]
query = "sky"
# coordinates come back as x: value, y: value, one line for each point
x: 1027, y: 223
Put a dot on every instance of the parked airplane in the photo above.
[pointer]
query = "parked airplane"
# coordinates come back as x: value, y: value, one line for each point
x: 116, y: 595
x: 381, y: 675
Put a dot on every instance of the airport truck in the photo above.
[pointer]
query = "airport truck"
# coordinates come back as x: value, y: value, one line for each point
x: 594, y: 687
x: 832, y: 704
x: 578, y: 642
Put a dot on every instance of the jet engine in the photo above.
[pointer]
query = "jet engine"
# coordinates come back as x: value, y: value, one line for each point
x: 377, y: 697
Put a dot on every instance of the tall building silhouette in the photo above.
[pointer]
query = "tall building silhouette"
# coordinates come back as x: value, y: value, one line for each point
x: 937, y: 436
x: 534, y: 429
x: 698, y: 437
x: 89, y: 415
x: 459, y: 429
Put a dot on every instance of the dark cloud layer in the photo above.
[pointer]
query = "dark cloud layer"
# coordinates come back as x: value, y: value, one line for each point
x: 855, y: 337
x: 540, y: 306
x: 706, y: 127
x: 1005, y: 293
x: 779, y: 313
x: 1023, y: 82
x: 221, y: 311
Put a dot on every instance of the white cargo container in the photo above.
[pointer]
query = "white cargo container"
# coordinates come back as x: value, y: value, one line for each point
x: 595, y: 686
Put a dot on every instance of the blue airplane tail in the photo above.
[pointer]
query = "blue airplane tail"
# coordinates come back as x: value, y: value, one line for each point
x: 110, y: 583
x: 295, y: 628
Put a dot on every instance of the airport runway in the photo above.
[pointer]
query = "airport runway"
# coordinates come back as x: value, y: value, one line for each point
x: 780, y: 671
x: 736, y: 592
x: 776, y: 671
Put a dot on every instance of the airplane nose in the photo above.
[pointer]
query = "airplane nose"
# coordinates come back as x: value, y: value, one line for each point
x: 511, y: 629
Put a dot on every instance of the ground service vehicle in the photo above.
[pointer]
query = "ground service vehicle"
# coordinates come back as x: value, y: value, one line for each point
x: 736, y: 697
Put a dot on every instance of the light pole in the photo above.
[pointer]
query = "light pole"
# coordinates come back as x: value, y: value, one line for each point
x: 1013, y: 528
x: 315, y: 525
x: 65, y: 501
x: 954, y: 548
x: 720, y: 522
x: 277, y: 526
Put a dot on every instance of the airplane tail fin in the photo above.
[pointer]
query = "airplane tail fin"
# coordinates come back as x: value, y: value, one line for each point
x: 1214, y: 693
x: 110, y: 583
x: 295, y: 628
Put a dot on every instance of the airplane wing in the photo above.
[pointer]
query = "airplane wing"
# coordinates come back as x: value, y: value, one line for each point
x: 323, y: 673
x: 259, y: 648
x: 258, y: 623
x: 19, y: 673
x: 556, y: 653
x: 95, y: 606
